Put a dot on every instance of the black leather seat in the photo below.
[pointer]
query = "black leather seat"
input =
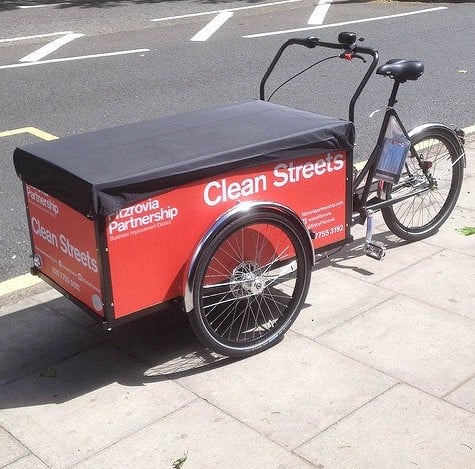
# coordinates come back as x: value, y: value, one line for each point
x: 401, y: 70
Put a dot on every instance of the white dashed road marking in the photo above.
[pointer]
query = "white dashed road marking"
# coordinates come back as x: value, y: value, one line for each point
x: 214, y: 12
x: 50, y: 47
x: 70, y: 59
x: 49, y: 5
x: 35, y: 36
x: 212, y: 26
x: 320, y: 12
x: 221, y: 17
x: 344, y: 23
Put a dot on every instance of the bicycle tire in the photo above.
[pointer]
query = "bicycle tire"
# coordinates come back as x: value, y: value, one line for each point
x: 422, y: 215
x: 251, y: 281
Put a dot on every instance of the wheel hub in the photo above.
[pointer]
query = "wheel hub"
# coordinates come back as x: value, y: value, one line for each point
x: 246, y: 280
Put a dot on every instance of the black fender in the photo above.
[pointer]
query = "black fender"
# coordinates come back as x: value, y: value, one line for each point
x: 457, y: 135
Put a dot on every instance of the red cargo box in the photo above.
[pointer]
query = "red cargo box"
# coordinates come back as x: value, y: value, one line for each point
x: 117, y: 217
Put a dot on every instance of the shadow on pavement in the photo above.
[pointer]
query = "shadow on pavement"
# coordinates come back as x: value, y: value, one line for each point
x: 52, y: 352
x: 355, y: 251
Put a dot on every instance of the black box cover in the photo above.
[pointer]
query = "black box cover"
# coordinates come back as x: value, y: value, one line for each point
x: 99, y: 173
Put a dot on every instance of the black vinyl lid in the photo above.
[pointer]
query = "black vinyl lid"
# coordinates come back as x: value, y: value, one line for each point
x: 99, y: 173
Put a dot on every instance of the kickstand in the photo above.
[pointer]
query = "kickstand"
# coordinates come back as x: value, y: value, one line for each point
x: 374, y: 249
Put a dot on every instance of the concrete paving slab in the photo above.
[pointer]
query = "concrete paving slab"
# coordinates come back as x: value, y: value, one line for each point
x: 12, y: 303
x: 403, y: 428
x: 292, y: 392
x: 412, y: 341
x: 333, y: 299
x: 28, y: 462
x: 208, y: 438
x: 352, y: 261
x: 32, y: 337
x: 166, y: 343
x: 95, y: 399
x: 64, y: 307
x: 10, y: 448
x: 467, y: 193
x: 449, y: 237
x: 464, y: 396
x: 445, y: 280
x: 158, y: 338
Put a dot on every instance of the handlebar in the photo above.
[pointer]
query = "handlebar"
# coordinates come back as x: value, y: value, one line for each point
x: 346, y: 43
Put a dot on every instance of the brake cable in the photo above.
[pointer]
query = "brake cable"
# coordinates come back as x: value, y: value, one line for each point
x: 300, y: 73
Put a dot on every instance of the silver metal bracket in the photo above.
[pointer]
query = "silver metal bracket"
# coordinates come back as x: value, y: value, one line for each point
x: 373, y: 249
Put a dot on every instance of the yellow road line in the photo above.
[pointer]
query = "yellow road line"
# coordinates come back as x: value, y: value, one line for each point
x: 29, y: 130
x: 27, y: 280
x: 18, y: 283
x: 469, y: 130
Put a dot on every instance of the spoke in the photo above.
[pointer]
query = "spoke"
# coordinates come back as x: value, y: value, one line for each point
x: 229, y: 311
x: 402, y: 214
x: 255, y: 315
x: 449, y: 168
x: 262, y: 301
x: 278, y: 306
x: 229, y: 284
x: 281, y: 272
x: 236, y: 316
x: 214, y: 305
x: 265, y: 268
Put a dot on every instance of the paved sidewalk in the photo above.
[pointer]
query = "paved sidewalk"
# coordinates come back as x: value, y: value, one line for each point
x: 377, y: 372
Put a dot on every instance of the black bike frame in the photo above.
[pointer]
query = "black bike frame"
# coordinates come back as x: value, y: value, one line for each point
x: 360, y: 197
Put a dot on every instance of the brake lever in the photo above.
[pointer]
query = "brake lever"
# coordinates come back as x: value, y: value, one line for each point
x: 357, y: 56
x: 351, y: 55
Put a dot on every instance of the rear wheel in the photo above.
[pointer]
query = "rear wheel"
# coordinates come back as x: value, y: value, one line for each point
x: 421, y: 216
x: 250, y: 284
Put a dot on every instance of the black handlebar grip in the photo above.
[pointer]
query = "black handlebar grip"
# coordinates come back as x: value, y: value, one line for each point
x: 309, y: 42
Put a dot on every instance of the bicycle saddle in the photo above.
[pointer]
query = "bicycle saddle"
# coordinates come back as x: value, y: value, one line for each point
x: 401, y: 70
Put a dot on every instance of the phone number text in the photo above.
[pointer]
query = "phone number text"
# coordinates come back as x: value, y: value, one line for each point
x: 329, y: 231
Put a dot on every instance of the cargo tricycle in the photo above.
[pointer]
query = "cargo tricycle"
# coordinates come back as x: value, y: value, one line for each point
x: 224, y: 210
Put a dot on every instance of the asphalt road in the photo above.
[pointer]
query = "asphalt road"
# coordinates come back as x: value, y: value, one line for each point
x: 162, y: 67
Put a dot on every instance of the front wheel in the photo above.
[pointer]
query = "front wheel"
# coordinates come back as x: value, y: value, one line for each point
x: 250, y: 284
x: 433, y: 172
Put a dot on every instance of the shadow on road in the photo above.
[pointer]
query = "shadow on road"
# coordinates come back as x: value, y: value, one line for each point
x: 14, y: 4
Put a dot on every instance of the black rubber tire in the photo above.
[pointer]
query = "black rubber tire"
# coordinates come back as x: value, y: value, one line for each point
x: 421, y: 216
x: 247, y: 291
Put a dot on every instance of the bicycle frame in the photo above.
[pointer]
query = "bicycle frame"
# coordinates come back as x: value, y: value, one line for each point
x: 360, y: 194
x: 366, y: 175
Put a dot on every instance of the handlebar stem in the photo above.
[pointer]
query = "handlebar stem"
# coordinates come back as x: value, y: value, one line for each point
x: 309, y: 42
x: 375, y: 55
x: 312, y: 42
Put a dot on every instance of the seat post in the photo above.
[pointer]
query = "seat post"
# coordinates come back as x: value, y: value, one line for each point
x: 392, y: 99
